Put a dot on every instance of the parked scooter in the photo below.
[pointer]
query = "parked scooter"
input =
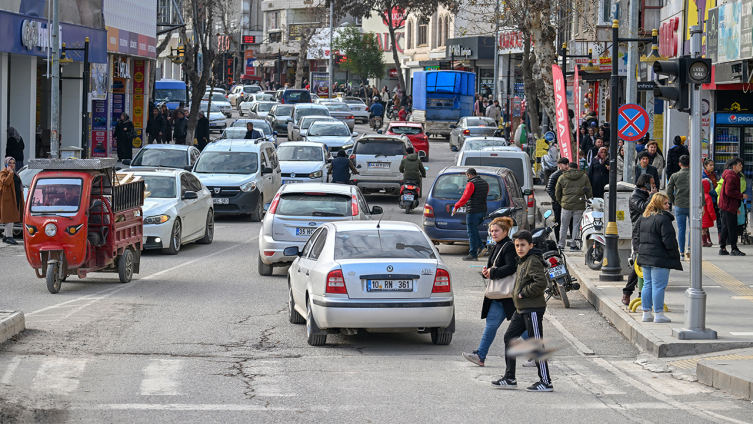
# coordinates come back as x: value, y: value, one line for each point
x: 409, y: 194
x: 592, y: 231
x: 559, y: 279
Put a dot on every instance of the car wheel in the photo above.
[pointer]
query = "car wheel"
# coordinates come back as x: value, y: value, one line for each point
x: 313, y: 339
x: 125, y: 266
x: 293, y: 316
x: 264, y: 269
x: 425, y: 158
x: 258, y: 214
x: 440, y: 338
x: 208, y: 229
x: 175, y: 239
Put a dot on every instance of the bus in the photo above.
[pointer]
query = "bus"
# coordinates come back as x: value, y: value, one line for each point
x: 170, y: 92
x: 441, y: 98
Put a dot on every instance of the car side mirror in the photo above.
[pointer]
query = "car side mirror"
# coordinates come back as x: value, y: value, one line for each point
x: 349, y: 152
x: 291, y: 251
x: 527, y: 192
x: 96, y: 204
x: 126, y: 161
x: 452, y: 127
x: 354, y: 134
x: 274, y: 132
x: 266, y: 171
x: 190, y: 195
x: 188, y: 168
x: 377, y: 210
x: 266, y: 206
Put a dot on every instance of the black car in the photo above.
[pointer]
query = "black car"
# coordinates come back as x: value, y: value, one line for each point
x: 278, y: 118
x: 291, y: 96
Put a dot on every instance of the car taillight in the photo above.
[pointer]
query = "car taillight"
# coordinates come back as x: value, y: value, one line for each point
x: 336, y: 282
x: 553, y: 261
x: 466, y: 132
x: 441, y: 282
x: 428, y: 211
x: 354, y: 206
x: 531, y: 199
x: 273, y: 206
x: 350, y: 117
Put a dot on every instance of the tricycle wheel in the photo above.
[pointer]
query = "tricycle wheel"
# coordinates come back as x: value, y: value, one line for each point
x: 175, y: 240
x: 125, y: 266
x: 53, y: 280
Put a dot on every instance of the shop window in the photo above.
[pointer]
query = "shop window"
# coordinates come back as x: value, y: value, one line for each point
x: 273, y: 20
x: 410, y: 35
x: 446, y: 29
x: 423, y: 30
x: 275, y: 37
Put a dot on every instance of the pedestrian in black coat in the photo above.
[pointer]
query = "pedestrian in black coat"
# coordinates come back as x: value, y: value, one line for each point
x: 168, y: 137
x: 202, y: 131
x: 122, y: 134
x: 598, y: 173
x: 673, y: 156
x: 15, y: 147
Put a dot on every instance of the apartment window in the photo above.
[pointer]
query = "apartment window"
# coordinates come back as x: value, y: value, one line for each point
x: 275, y: 37
x: 446, y: 29
x: 273, y: 20
x: 440, y: 34
x: 410, y: 34
x: 423, y: 29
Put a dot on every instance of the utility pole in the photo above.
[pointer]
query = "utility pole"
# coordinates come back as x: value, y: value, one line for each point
x: 331, y: 67
x: 695, y: 302
x: 55, y: 87
x: 632, y: 88
x: 496, y: 53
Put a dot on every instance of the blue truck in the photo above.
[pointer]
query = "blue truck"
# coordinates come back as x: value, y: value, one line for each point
x: 170, y: 92
x: 441, y: 98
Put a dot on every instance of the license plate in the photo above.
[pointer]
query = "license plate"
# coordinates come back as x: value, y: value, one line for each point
x: 291, y: 181
x: 490, y: 241
x: 304, y: 231
x: 379, y: 165
x: 408, y: 197
x: 461, y: 210
x: 557, y: 271
x: 220, y: 200
x: 389, y: 285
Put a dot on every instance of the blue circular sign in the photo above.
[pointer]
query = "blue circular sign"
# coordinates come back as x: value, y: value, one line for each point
x: 549, y: 136
x: 632, y: 122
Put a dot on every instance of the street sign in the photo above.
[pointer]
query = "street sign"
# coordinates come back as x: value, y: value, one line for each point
x: 632, y: 122
x: 549, y: 136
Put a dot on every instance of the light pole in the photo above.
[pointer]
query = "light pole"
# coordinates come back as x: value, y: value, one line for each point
x: 331, y: 52
x: 55, y: 86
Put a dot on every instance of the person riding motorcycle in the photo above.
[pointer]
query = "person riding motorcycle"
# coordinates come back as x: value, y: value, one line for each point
x: 341, y: 168
x: 376, y: 109
x: 413, y: 169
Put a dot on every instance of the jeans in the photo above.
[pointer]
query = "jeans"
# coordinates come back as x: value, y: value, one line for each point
x: 683, y: 216
x: 655, y: 281
x: 472, y: 221
x: 566, y: 216
x: 494, y: 319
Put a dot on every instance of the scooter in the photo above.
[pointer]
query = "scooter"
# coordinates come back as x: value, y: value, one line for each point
x: 592, y: 231
x: 391, y: 112
x: 549, y: 164
x: 409, y: 194
x: 559, y: 280
x: 377, y: 123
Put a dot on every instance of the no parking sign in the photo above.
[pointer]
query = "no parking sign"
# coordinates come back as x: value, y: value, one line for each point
x: 632, y: 122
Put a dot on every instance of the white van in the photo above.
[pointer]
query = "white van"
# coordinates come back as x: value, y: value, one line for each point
x: 510, y: 157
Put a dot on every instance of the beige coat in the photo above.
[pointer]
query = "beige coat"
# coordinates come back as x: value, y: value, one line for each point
x: 9, y: 210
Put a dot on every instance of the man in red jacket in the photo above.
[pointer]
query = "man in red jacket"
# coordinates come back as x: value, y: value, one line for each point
x: 729, y: 206
x: 474, y: 197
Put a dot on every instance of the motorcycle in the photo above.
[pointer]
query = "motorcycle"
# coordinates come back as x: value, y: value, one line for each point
x: 409, y: 193
x: 391, y: 112
x: 559, y: 280
x: 377, y: 125
x: 592, y: 231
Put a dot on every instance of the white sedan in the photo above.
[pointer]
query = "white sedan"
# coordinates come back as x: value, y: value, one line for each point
x: 245, y: 107
x: 380, y: 277
x: 178, y: 210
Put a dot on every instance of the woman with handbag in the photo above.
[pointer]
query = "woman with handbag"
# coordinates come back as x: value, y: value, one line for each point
x: 500, y: 274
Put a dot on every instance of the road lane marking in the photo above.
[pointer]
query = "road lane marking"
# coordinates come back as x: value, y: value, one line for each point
x: 202, y: 407
x: 160, y: 377
x: 8, y: 374
x: 579, y: 345
x: 58, y: 375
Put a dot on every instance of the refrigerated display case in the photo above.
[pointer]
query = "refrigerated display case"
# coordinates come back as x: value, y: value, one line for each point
x: 726, y: 145
x: 733, y: 137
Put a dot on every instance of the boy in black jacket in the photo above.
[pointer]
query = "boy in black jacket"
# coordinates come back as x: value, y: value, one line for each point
x: 530, y: 305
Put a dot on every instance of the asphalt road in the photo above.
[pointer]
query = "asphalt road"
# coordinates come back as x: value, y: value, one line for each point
x: 201, y: 336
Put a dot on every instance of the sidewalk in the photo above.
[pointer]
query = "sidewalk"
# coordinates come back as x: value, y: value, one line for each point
x: 11, y: 322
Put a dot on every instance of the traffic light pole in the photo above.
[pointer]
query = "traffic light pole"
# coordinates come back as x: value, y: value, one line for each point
x: 695, y: 302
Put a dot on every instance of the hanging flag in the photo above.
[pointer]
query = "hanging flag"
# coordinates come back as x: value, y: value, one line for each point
x: 560, y: 105
x: 577, y: 100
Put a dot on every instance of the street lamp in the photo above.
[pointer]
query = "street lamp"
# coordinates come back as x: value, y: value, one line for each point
x: 612, y: 270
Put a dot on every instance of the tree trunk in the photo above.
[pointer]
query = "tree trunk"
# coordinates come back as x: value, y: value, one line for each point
x: 544, y: 36
x: 302, y: 56
x: 529, y: 85
x: 387, y: 15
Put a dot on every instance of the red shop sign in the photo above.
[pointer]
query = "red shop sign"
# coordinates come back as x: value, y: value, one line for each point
x: 668, y: 37
x: 398, y: 18
x: 393, y: 73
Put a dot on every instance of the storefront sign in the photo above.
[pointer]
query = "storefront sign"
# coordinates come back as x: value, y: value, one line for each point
x: 729, y: 32
x: 36, y: 35
x: 248, y: 59
x: 393, y: 73
x: 734, y: 118
x: 511, y: 40
x: 99, y: 145
x: 646, y: 85
x: 471, y: 48
x: 668, y: 37
x: 560, y: 104
x: 139, y: 70
x: 459, y: 50
x: 249, y: 39
x: 431, y: 68
x: 398, y: 18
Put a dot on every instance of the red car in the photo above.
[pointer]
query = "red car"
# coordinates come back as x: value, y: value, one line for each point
x: 415, y: 132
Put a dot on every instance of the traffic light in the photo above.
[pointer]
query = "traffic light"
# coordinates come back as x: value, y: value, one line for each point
x: 698, y: 70
x: 181, y: 53
x: 676, y: 89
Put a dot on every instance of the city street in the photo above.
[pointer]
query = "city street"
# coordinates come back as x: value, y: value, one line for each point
x: 202, y: 337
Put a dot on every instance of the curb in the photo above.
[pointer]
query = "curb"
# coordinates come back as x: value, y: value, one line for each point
x: 724, y: 377
x: 11, y: 323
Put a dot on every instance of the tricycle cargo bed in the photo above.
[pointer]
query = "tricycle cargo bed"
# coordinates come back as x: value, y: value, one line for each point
x: 128, y: 196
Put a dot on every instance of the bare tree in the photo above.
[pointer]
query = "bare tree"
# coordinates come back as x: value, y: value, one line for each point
x: 311, y: 19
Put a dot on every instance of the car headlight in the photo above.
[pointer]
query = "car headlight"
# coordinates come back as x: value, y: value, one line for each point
x: 50, y: 229
x: 347, y: 146
x: 157, y: 219
x: 249, y: 186
x: 317, y: 174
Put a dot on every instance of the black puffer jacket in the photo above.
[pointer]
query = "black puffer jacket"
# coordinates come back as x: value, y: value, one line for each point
x: 637, y: 204
x: 657, y: 241
x: 551, y: 186
x: 506, y: 264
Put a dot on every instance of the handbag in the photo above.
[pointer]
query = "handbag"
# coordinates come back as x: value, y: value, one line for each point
x: 500, y: 288
x: 131, y: 134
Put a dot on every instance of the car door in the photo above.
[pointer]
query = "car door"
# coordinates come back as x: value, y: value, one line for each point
x: 515, y: 193
x: 204, y: 202
x: 274, y: 163
x: 265, y: 178
x: 300, y: 270
x: 454, y: 134
x: 190, y: 208
x: 362, y: 205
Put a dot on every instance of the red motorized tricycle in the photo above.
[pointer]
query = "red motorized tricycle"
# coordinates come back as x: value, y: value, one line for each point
x: 79, y: 219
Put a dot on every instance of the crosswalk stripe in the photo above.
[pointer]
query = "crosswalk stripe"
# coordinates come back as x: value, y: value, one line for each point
x: 10, y: 370
x: 59, y: 375
x: 160, y: 377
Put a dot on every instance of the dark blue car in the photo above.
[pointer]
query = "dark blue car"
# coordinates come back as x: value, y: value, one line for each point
x: 448, y: 187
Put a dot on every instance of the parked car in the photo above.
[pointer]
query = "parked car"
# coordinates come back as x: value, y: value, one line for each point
x: 415, y: 133
x: 303, y: 161
x: 305, y: 109
x: 257, y: 106
x: 342, y: 112
x: 297, y: 210
x: 443, y: 227
x: 164, y: 156
x: 470, y: 126
x: 259, y: 124
x: 291, y: 96
x: 335, y: 136
x: 353, y: 276
x: 278, y: 118
x: 301, y: 127
x: 217, y: 119
x: 178, y: 209
x: 239, y: 92
x: 512, y: 158
x: 358, y: 107
x: 241, y: 175
x: 221, y: 102
x: 377, y: 158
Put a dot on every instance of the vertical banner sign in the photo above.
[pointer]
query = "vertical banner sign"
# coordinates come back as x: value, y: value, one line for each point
x: 746, y: 25
x: 99, y: 129
x: 248, y: 57
x: 139, y: 69
x: 712, y: 35
x: 576, y: 103
x: 560, y: 105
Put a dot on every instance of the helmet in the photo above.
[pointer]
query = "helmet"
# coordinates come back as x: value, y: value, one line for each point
x: 376, y: 98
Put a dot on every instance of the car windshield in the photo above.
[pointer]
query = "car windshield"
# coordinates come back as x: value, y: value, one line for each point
x: 204, y: 106
x: 382, y: 148
x: 262, y: 126
x: 264, y: 107
x: 451, y: 187
x: 160, y: 187
x: 170, y: 94
x: 381, y: 244
x: 337, y: 130
x: 216, y: 97
x: 313, y: 204
x: 308, y: 121
x: 227, y: 163
x: 167, y: 158
x: 480, y: 144
x: 251, y: 88
x: 478, y: 122
x: 300, y: 153
x: 234, y: 133
x: 513, y: 164
x: 56, y: 195
x: 311, y: 111
x: 338, y: 108
x: 283, y: 110
x: 404, y: 129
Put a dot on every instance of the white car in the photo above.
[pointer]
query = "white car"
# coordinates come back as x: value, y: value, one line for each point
x: 217, y: 119
x: 257, y: 106
x: 298, y: 209
x: 220, y: 100
x: 302, y: 162
x: 301, y: 128
x: 378, y: 277
x: 239, y: 92
x: 342, y: 112
x: 378, y: 158
x: 178, y: 210
x: 335, y: 135
x: 164, y: 156
x: 358, y: 107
